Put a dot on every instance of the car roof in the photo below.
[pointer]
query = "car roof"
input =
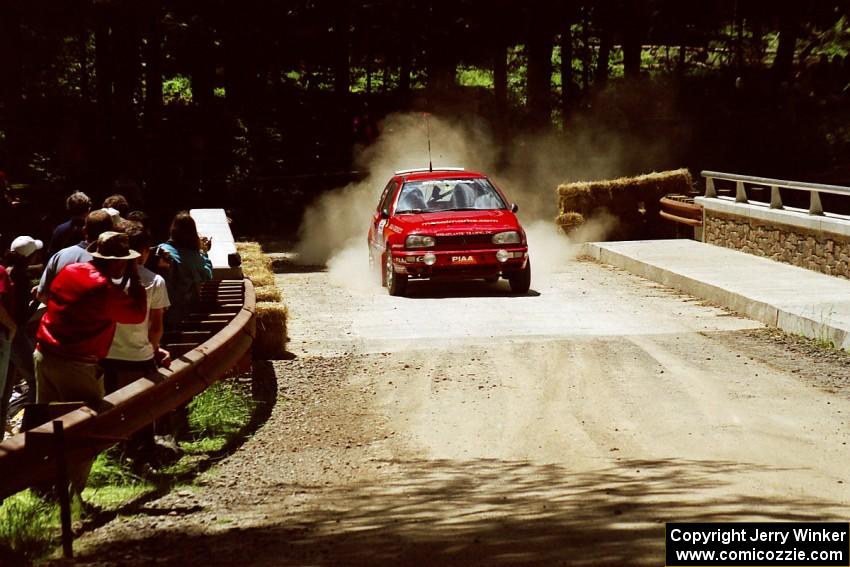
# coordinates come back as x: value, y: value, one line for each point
x: 439, y: 174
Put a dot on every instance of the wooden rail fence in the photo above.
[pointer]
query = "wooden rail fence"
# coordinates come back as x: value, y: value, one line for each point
x: 213, y: 339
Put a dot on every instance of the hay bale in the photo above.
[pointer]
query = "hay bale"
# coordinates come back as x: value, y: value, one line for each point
x: 270, y: 342
x: 634, y: 201
x: 260, y: 278
x: 603, y: 192
x: 268, y: 293
x: 570, y: 221
x: 256, y: 266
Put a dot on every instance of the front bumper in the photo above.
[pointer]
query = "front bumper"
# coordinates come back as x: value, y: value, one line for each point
x: 460, y: 264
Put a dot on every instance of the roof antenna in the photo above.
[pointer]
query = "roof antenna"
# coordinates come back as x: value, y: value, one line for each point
x: 428, y: 127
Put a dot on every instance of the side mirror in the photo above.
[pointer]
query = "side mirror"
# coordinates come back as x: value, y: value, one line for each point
x: 514, y: 207
x: 385, y: 214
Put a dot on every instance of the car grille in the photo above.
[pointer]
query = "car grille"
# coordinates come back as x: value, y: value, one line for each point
x: 465, y: 241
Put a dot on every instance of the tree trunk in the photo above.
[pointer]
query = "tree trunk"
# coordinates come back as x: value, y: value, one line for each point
x: 500, y: 75
x: 540, y: 42
x: 606, y: 42
x: 103, y: 87
x: 442, y: 57
x: 567, y: 92
x: 404, y: 71
x: 788, y: 30
x: 240, y: 65
x: 10, y: 89
x: 82, y: 47
x: 404, y: 49
x: 202, y: 64
x: 739, y: 37
x: 632, y: 38
x: 585, y: 50
x: 153, y: 65
x: 126, y: 45
x: 342, y: 65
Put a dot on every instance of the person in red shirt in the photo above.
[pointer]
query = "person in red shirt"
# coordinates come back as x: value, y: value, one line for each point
x: 83, y: 306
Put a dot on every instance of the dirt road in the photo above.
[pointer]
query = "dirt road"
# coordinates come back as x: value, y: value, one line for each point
x: 467, y: 426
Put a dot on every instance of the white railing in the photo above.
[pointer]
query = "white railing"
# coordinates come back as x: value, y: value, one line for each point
x: 742, y: 181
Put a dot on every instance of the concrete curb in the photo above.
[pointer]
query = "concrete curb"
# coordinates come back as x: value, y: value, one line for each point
x: 792, y: 319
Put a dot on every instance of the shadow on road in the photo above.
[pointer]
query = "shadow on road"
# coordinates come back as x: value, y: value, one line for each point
x: 482, y: 512
x: 427, y: 289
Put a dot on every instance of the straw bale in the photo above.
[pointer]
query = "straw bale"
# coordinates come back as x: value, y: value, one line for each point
x: 623, y: 194
x: 268, y: 293
x: 256, y: 266
x: 569, y: 221
x: 270, y: 342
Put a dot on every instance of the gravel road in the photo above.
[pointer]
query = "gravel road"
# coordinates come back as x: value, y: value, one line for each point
x: 464, y: 425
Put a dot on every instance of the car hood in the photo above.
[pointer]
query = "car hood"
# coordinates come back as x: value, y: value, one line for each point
x: 458, y: 222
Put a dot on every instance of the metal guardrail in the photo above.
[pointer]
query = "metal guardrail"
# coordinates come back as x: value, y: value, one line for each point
x: 741, y: 182
x: 209, y: 342
x: 681, y: 209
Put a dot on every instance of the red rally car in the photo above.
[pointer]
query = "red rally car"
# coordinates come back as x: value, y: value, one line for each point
x: 446, y: 223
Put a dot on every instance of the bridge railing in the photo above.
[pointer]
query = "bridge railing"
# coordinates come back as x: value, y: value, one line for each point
x: 743, y: 183
x: 211, y: 341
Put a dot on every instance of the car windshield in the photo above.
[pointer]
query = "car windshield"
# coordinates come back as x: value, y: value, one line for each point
x: 448, y: 195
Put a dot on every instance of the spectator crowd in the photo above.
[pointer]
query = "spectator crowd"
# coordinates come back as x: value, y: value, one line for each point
x: 95, y: 319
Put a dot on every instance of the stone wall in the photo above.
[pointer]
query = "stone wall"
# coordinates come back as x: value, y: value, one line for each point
x: 817, y: 250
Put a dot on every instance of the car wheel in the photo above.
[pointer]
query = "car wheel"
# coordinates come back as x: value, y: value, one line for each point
x: 396, y: 283
x: 521, y: 281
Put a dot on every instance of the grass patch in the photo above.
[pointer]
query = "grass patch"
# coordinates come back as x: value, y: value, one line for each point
x: 218, y: 418
x: 29, y: 525
x: 220, y: 411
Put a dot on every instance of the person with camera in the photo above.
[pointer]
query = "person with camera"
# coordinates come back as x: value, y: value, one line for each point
x: 135, y: 351
x: 189, y: 266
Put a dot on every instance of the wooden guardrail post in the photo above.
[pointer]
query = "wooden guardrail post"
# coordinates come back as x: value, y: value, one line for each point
x: 62, y: 488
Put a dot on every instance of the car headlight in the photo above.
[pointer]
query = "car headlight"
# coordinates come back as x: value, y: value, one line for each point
x: 509, y: 237
x: 419, y: 241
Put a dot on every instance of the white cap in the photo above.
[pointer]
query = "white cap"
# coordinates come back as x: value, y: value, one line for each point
x: 114, y: 214
x: 25, y: 246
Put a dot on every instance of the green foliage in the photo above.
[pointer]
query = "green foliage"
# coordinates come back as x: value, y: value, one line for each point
x: 109, y: 469
x: 474, y: 77
x: 220, y: 410
x: 28, y: 524
x: 177, y: 90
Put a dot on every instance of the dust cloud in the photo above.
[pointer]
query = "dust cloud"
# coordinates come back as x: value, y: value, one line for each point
x: 339, y: 218
x: 551, y: 250
x: 528, y: 169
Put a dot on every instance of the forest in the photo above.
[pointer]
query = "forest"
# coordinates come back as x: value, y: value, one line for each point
x: 258, y: 105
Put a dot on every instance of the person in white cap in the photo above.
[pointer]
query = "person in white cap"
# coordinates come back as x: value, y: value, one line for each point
x: 22, y: 252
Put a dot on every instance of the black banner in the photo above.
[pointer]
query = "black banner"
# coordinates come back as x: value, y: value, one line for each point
x: 759, y: 544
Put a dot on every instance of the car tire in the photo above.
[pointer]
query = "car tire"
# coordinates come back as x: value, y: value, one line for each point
x: 396, y: 283
x: 521, y: 281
